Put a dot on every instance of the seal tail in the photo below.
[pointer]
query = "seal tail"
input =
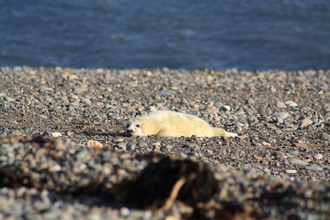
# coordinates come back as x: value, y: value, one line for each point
x: 221, y: 132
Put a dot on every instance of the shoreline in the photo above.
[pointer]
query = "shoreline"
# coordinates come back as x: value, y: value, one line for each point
x: 283, y: 119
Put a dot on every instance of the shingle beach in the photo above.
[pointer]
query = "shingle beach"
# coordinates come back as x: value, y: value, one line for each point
x: 63, y: 154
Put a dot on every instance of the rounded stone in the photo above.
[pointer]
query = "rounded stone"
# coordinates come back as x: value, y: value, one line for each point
x: 318, y: 156
x: 297, y: 161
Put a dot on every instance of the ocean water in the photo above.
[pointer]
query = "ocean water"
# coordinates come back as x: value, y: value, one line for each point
x: 224, y: 34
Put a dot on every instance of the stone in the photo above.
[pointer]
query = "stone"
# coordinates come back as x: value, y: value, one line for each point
x: 56, y: 134
x: 292, y: 152
x: 305, y: 122
x: 94, y: 144
x: 313, y: 167
x: 280, y: 105
x: 325, y: 136
x: 277, y: 154
x: 297, y: 161
x: 280, y: 116
x: 318, y: 156
x: 290, y: 171
x: 291, y: 103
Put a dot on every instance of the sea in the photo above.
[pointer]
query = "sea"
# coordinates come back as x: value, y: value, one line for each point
x: 178, y: 34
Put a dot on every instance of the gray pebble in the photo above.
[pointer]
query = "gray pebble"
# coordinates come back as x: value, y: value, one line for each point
x: 298, y: 162
x: 325, y: 136
x: 281, y: 115
x: 164, y: 94
x: 142, y: 144
x: 183, y: 155
x: 277, y: 154
x: 313, y: 167
x: 130, y: 146
x: 122, y: 146
x: 292, y: 152
x: 168, y: 147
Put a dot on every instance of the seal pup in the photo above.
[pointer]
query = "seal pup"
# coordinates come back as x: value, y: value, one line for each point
x: 172, y: 124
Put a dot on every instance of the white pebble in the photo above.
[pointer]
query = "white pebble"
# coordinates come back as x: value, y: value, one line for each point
x: 56, y: 134
x: 290, y: 171
x: 318, y: 156
x: 291, y: 103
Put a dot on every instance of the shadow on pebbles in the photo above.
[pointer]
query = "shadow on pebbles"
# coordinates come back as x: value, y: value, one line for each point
x: 63, y: 154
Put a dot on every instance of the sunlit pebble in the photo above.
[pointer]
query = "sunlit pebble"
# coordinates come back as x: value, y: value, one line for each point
x: 94, y: 144
x: 54, y: 168
x: 17, y: 132
x: 318, y: 156
x: 305, y: 122
x: 280, y: 105
x: 106, y: 170
x: 56, y: 134
x: 290, y: 171
x: 69, y: 133
x: 291, y: 103
x: 264, y: 143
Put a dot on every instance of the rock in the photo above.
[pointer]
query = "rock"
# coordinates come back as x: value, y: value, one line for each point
x: 277, y: 154
x: 280, y: 116
x: 164, y: 94
x: 56, y: 134
x: 313, y: 167
x: 121, y: 146
x: 277, y: 131
x: 290, y: 171
x: 297, y: 143
x: 168, y: 147
x: 226, y: 108
x: 297, y: 161
x: 124, y: 212
x: 280, y: 105
x: 292, y: 152
x: 94, y: 144
x: 291, y: 103
x: 325, y: 136
x: 318, y: 156
x: 142, y: 144
x: 130, y: 146
x: 305, y: 122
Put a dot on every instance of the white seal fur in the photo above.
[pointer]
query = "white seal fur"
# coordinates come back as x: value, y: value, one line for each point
x: 172, y: 124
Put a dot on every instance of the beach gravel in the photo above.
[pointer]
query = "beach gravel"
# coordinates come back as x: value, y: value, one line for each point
x: 63, y: 154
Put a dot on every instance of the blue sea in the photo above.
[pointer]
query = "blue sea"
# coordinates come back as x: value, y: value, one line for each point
x: 219, y: 35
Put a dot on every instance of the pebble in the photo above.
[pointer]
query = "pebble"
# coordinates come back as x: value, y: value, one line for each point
x: 277, y: 154
x: 325, y: 136
x: 318, y: 156
x: 291, y: 103
x: 143, y: 144
x: 280, y: 105
x: 280, y: 116
x: 56, y: 134
x: 131, y: 146
x: 164, y: 94
x: 290, y: 171
x: 293, y: 152
x: 305, y: 122
x: 298, y: 162
x: 124, y: 212
x: 94, y: 144
x: 313, y: 167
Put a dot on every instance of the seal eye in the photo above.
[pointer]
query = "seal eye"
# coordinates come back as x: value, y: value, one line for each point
x: 137, y: 126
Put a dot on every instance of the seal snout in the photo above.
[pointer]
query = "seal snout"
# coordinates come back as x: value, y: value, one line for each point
x: 129, y: 132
